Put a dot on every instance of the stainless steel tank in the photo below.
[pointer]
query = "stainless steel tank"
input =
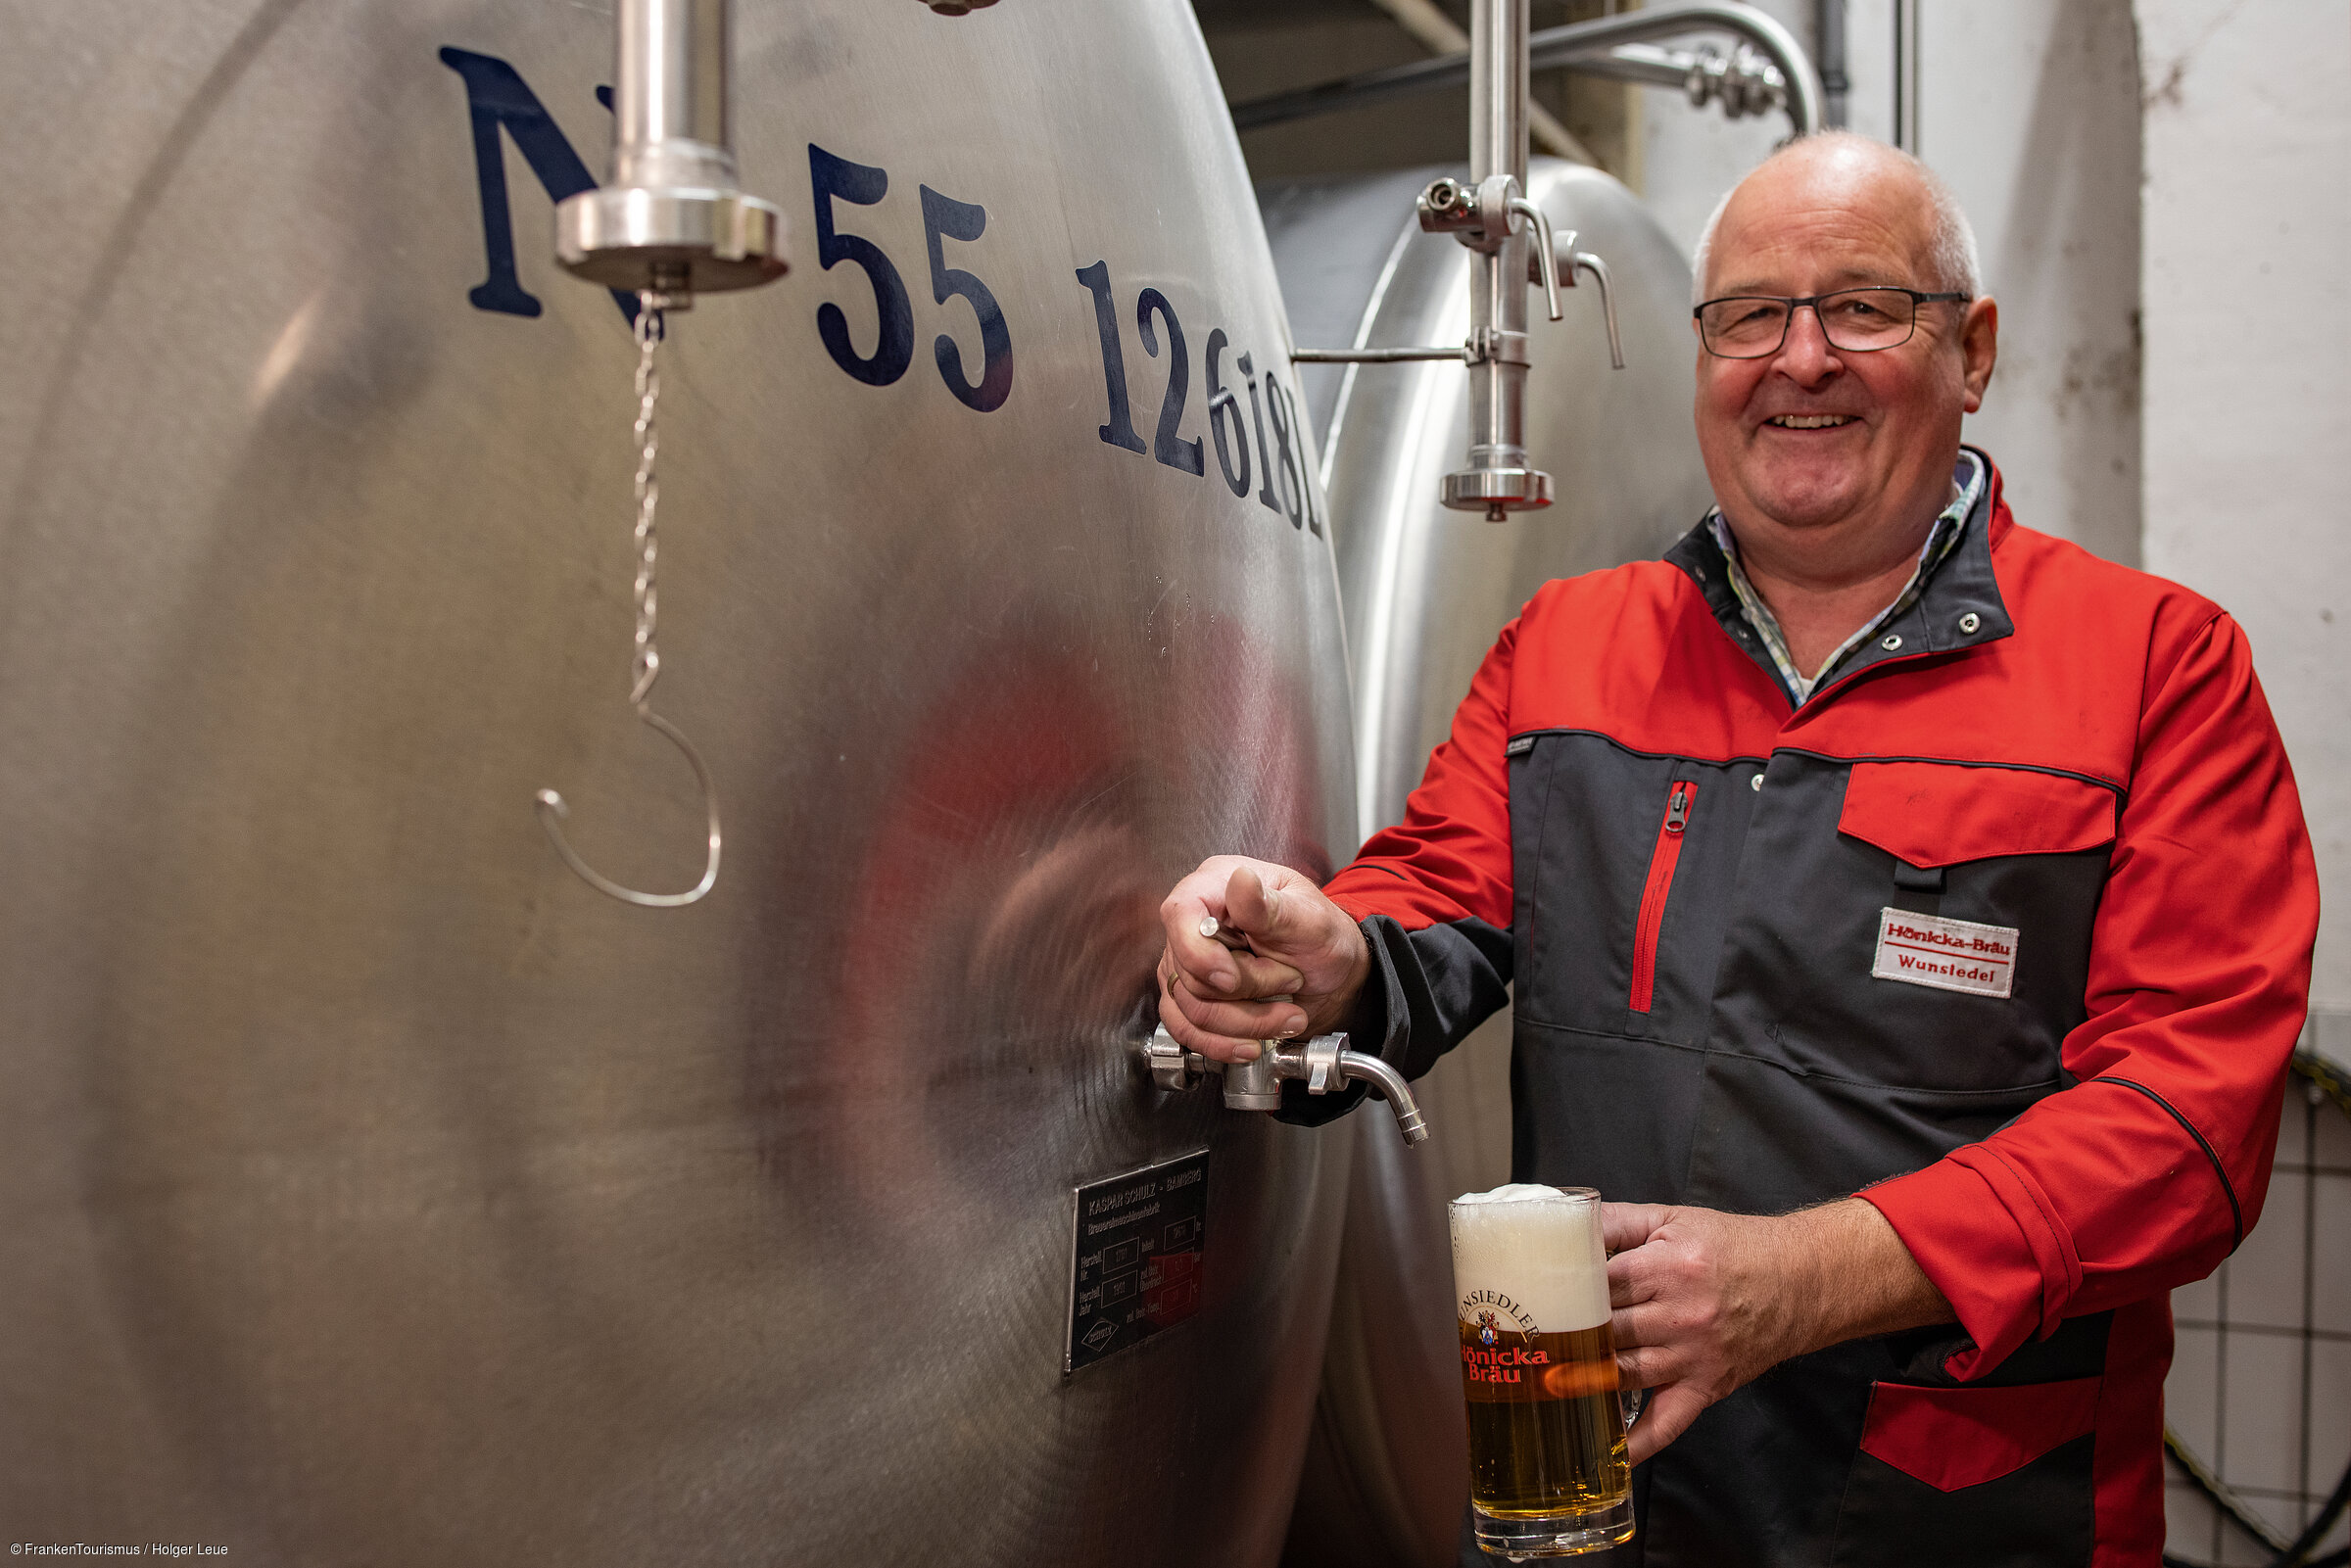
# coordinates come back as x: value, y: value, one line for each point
x: 1426, y: 591
x: 374, y: 1191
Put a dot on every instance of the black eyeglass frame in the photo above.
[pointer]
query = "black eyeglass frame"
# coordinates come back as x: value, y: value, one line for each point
x: 1918, y: 296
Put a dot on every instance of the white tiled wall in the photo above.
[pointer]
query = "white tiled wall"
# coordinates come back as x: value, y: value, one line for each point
x: 2236, y: 1394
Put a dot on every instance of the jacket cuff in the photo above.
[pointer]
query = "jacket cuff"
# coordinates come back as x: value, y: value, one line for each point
x: 1981, y: 1233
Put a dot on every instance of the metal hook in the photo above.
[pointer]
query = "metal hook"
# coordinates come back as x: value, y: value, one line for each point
x: 551, y: 811
x: 646, y: 666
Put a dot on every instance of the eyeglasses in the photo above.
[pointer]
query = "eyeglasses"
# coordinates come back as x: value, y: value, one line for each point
x: 1753, y: 326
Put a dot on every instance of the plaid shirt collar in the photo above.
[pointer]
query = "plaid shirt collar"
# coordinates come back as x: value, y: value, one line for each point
x: 1967, y: 485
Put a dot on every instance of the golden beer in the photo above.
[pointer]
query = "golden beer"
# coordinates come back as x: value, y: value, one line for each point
x: 1548, y: 1474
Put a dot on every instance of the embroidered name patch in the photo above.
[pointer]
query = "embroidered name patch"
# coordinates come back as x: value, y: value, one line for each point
x: 1951, y: 955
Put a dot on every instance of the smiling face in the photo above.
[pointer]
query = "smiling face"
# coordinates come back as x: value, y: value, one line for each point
x: 1816, y: 448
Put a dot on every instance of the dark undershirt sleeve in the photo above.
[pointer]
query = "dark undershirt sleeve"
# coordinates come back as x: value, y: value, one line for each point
x: 1428, y: 989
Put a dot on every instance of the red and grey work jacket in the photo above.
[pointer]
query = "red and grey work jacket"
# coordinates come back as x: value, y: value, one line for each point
x: 2007, y: 929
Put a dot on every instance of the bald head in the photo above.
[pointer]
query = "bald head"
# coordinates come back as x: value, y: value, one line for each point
x: 1833, y: 457
x: 1882, y: 184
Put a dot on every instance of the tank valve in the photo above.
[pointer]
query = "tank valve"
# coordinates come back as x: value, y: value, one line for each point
x: 1566, y: 263
x: 673, y: 222
x: 1322, y: 1063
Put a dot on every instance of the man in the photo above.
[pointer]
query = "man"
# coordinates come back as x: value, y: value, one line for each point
x: 1910, y: 917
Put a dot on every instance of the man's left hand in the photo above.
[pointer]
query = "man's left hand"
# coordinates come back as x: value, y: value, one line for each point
x: 1705, y: 1301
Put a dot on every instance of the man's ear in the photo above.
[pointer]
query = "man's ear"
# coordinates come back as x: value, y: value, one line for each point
x: 1980, y: 347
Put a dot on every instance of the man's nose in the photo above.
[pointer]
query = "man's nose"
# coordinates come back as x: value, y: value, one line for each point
x: 1807, y: 357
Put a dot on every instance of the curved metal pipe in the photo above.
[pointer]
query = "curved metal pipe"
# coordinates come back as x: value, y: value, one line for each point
x: 1362, y: 1067
x: 1571, y: 47
x: 1560, y: 46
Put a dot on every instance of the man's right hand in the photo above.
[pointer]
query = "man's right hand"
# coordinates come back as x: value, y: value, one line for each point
x: 1304, y: 964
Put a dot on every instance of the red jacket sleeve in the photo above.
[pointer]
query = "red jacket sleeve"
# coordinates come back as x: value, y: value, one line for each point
x: 1433, y: 894
x: 1450, y: 859
x: 2148, y: 1171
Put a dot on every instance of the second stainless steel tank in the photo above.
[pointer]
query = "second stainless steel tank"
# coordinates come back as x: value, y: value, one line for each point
x: 1426, y: 591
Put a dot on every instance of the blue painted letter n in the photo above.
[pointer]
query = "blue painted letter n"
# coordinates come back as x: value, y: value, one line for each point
x: 498, y: 96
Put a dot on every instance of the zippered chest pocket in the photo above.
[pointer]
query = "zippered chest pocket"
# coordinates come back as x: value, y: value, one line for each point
x: 1623, y: 865
x: 1656, y: 889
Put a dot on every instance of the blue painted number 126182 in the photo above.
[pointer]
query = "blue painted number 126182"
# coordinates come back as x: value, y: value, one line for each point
x: 1282, y: 482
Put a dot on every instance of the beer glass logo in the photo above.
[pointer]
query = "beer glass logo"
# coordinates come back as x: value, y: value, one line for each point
x: 1495, y: 1313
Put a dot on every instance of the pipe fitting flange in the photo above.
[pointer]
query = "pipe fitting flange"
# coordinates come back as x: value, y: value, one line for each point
x: 1497, y: 490
x: 681, y: 239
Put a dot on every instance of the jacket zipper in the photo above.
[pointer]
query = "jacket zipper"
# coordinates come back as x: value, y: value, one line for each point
x: 1661, y: 861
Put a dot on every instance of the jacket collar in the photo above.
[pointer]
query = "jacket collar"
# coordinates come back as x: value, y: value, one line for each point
x: 1962, y: 586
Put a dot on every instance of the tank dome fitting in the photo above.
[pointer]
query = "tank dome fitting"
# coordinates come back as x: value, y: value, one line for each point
x: 672, y: 222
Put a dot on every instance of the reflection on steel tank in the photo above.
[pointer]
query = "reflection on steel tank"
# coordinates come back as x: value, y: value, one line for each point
x: 378, y: 1192
x: 1426, y: 591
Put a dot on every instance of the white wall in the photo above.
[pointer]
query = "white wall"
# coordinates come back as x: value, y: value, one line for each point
x: 2248, y: 367
x: 2030, y: 109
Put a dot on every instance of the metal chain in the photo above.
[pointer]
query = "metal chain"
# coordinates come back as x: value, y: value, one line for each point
x: 645, y: 668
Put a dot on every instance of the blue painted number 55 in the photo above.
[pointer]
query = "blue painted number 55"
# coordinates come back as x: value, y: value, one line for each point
x: 836, y: 178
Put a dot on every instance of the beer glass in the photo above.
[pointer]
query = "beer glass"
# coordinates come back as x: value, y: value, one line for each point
x: 1548, y: 1475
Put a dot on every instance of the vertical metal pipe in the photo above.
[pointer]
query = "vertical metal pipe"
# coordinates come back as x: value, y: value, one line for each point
x: 669, y: 101
x: 1828, y: 50
x: 1498, y: 91
x: 1905, y: 75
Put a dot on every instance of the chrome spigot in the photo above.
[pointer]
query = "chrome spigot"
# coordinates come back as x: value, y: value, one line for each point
x: 1322, y: 1063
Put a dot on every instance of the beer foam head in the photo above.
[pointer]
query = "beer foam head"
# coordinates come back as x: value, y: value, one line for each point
x: 1533, y: 1256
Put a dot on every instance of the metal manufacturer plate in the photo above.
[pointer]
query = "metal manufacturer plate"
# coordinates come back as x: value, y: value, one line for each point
x: 1136, y: 1244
